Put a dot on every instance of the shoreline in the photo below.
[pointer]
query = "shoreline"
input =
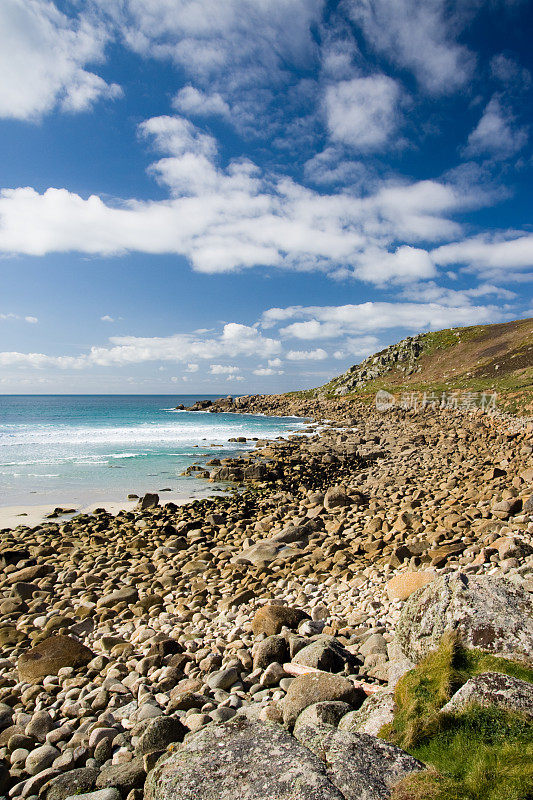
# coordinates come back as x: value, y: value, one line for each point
x: 31, y: 515
x: 34, y: 511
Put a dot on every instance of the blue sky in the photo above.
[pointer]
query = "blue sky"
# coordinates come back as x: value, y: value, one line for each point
x: 252, y: 195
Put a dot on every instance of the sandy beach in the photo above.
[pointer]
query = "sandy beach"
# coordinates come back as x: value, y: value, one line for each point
x: 32, y: 515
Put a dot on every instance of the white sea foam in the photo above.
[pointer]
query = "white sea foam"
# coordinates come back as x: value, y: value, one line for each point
x: 86, y: 456
x: 147, y: 434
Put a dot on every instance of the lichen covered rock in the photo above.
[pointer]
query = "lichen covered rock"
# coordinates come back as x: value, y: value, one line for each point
x: 489, y: 613
x: 241, y: 760
x: 494, y: 689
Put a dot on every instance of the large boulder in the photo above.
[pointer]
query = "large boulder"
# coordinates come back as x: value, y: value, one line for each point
x: 148, y: 501
x: 494, y: 689
x: 127, y: 776
x: 326, y: 653
x: 488, y: 612
x: 326, y: 713
x: 261, y: 553
x: 270, y: 619
x: 50, y: 655
x: 336, y: 497
x: 317, y: 687
x: 75, y: 781
x: 273, y: 648
x: 361, y: 766
x: 241, y: 760
x: 127, y: 594
x: 404, y: 584
x: 376, y: 711
x: 30, y: 573
x: 159, y: 733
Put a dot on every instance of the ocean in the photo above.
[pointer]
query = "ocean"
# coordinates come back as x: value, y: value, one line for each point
x: 84, y: 449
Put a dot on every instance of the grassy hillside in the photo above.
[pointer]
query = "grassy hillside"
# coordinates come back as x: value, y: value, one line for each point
x: 481, y: 358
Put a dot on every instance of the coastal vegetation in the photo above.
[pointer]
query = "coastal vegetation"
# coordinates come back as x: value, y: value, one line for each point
x: 477, y: 753
x: 481, y: 358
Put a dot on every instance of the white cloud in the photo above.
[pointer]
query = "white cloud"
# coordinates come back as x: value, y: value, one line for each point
x: 495, y: 257
x: 243, y: 50
x: 363, y: 112
x: 265, y: 371
x: 190, y: 100
x: 333, y: 167
x: 178, y: 136
x: 234, y: 340
x: 330, y: 322
x: 239, y: 217
x: 307, y: 355
x: 496, y: 134
x: 205, y: 40
x: 358, y: 347
x: 235, y: 378
x: 30, y: 319
x: 193, y: 367
x: 431, y: 292
x: 509, y: 72
x: 222, y: 369
x: 43, y: 55
x: 107, y: 318
x: 275, y: 362
x: 420, y: 37
x: 403, y: 265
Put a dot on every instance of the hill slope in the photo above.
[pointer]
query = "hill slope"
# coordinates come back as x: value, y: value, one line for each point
x: 481, y: 358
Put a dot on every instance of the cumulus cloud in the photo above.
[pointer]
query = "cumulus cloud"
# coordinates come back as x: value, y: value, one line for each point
x: 358, y: 347
x: 107, y: 318
x: 226, y: 219
x: 333, y: 167
x: 190, y: 100
x: 432, y: 292
x: 420, y: 37
x: 363, y: 112
x: 203, y: 40
x: 494, y: 256
x: 509, y: 72
x: 496, y: 133
x: 28, y: 318
x: 234, y: 340
x: 265, y: 371
x: 222, y: 369
x: 329, y: 322
x: 245, y: 51
x: 403, y: 265
x: 307, y: 355
x: 43, y: 58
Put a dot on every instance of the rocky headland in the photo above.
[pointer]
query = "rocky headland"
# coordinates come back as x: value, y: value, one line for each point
x: 363, y: 589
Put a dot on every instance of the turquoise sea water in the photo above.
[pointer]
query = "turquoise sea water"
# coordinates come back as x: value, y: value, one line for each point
x: 78, y: 450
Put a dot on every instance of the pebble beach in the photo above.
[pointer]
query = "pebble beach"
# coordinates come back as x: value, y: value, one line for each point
x: 133, y: 637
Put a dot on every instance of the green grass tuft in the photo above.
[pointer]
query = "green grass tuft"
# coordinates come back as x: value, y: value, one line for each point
x: 476, y: 754
x: 479, y: 754
x: 422, y: 692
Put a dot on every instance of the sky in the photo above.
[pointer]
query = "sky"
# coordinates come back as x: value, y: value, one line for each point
x: 235, y: 196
